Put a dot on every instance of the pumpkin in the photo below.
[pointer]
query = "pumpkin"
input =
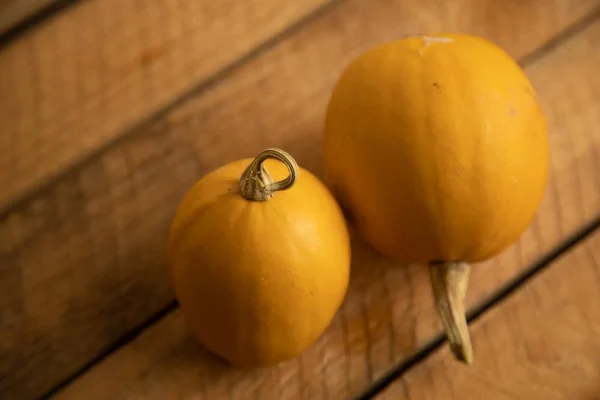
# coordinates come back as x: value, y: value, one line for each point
x: 259, y: 262
x: 437, y: 148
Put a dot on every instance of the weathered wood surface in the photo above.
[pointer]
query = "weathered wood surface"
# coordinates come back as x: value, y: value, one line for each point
x: 541, y: 343
x: 76, y: 82
x: 277, y: 99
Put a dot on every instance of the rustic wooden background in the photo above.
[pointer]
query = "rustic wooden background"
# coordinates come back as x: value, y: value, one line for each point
x: 111, y: 109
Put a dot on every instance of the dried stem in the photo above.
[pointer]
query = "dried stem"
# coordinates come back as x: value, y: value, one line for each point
x: 449, y: 282
x: 256, y: 183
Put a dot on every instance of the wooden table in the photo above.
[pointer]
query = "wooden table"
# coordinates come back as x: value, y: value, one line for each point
x: 111, y: 109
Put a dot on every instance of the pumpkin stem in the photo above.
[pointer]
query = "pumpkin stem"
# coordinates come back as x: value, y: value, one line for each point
x: 449, y: 282
x: 256, y: 183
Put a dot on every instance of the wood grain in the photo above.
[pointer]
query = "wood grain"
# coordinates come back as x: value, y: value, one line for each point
x: 13, y: 12
x: 95, y: 269
x: 541, y: 343
x: 78, y: 81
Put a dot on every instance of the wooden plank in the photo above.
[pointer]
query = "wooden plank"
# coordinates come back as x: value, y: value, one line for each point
x: 78, y: 81
x: 13, y: 12
x: 541, y: 343
x: 276, y: 100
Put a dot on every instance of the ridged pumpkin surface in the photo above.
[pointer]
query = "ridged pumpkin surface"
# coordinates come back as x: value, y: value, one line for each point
x: 437, y: 147
x: 259, y: 281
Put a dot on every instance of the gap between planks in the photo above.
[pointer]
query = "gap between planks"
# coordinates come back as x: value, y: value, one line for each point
x: 22, y: 23
x: 500, y: 295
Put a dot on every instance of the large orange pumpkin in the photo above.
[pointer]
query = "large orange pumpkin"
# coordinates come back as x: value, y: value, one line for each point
x: 437, y: 147
x: 259, y: 266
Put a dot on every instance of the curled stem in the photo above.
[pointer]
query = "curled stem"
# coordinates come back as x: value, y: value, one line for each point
x: 256, y: 183
x: 449, y: 282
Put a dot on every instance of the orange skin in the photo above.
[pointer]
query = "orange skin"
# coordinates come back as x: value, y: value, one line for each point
x: 259, y: 281
x: 437, y: 147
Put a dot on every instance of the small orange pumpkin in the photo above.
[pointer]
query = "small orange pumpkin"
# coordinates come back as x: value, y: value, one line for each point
x: 258, y: 274
x: 438, y: 148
